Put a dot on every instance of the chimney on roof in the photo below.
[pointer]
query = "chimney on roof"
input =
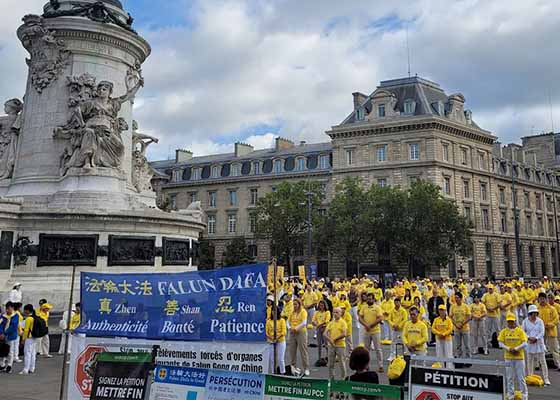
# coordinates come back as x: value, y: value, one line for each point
x: 242, y: 149
x: 283, y: 144
x: 182, y: 155
x: 497, y: 150
x: 359, y: 99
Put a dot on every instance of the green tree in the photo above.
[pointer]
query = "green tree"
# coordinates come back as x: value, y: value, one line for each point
x: 207, y: 255
x: 350, y: 228
x: 431, y: 229
x: 237, y: 253
x: 281, y: 217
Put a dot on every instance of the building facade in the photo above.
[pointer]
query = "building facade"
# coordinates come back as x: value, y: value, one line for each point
x: 407, y: 129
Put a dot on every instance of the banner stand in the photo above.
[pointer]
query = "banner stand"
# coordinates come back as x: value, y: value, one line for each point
x: 66, y: 334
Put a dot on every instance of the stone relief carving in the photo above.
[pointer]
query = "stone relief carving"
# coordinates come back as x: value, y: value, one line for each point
x: 142, y: 172
x: 49, y: 56
x: 67, y: 250
x: 21, y: 250
x: 97, y: 12
x: 94, y: 128
x: 130, y: 250
x: 9, y: 133
x: 175, y: 251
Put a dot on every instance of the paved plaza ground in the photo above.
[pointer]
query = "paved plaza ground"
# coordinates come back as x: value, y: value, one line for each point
x: 45, y: 383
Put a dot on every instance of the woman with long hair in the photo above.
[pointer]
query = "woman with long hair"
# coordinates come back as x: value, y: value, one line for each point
x: 320, y: 320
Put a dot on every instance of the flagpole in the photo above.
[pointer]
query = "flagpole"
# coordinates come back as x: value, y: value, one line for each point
x: 66, y: 334
x: 275, y: 312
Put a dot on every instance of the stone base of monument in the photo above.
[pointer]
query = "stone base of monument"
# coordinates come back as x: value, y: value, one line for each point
x: 50, y: 241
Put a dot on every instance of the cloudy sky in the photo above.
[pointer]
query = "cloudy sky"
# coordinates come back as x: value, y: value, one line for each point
x: 249, y: 70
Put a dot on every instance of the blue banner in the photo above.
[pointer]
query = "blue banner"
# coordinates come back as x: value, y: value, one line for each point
x: 312, y: 272
x: 224, y: 304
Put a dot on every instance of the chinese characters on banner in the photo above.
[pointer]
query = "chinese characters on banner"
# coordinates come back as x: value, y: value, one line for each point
x: 226, y: 304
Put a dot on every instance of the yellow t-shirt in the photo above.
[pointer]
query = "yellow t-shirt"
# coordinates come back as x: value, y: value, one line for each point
x: 513, y: 338
x: 309, y: 299
x: 397, y: 318
x: 369, y: 314
x: 459, y: 315
x: 28, y: 328
x: 387, y: 306
x: 335, y: 329
x: 321, y: 317
x: 478, y: 310
x: 281, y: 331
x: 505, y: 299
x: 348, y: 319
x: 417, y: 333
x: 550, y: 318
x: 491, y: 300
x: 443, y: 327
x: 299, y: 318
x: 407, y: 303
x: 378, y: 294
x: 288, y: 309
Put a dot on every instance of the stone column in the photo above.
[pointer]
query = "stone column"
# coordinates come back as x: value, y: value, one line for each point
x: 65, y: 43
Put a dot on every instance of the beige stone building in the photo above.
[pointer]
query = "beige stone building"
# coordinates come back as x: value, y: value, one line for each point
x: 407, y: 129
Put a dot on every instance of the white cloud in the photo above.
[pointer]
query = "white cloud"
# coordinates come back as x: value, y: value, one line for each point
x: 244, y: 64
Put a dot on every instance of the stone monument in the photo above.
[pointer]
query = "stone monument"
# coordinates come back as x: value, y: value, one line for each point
x: 75, y: 184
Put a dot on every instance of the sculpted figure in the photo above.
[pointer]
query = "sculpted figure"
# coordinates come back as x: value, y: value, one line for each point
x: 94, y: 128
x: 9, y: 133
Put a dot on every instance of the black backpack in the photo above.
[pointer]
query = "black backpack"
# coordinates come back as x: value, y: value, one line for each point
x: 39, y: 327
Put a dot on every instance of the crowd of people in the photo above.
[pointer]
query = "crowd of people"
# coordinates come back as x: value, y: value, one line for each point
x: 25, y: 330
x: 460, y: 318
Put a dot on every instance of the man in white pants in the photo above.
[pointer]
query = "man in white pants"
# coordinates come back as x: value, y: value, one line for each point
x: 30, y: 345
x: 513, y: 340
x: 534, y: 329
x: 442, y: 328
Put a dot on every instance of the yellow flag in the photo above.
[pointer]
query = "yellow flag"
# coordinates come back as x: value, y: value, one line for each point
x: 301, y: 270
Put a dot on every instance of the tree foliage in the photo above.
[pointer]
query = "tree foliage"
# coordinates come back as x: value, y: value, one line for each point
x: 237, y: 253
x: 207, y: 255
x: 282, y: 216
x: 420, y: 226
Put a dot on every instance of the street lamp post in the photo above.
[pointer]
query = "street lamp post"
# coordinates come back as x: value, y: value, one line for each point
x: 309, y: 196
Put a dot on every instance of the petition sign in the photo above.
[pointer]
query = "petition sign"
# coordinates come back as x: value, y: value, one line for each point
x: 431, y: 383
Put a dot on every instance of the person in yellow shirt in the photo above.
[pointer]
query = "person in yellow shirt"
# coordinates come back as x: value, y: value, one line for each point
x: 288, y: 305
x: 347, y: 317
x: 415, y: 333
x: 397, y: 317
x: 422, y: 314
x: 280, y: 341
x: 310, y: 300
x: 513, y: 340
x: 442, y: 328
x: 335, y: 335
x: 44, y: 343
x: 506, y: 304
x: 387, y: 306
x: 29, y: 342
x: 320, y: 320
x: 478, y: 325
x: 407, y: 300
x: 550, y: 318
x: 297, y: 342
x: 491, y: 301
x: 370, y: 318
x: 460, y: 315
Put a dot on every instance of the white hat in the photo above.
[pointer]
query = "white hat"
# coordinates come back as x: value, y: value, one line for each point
x: 271, y: 298
x: 532, y: 308
x: 17, y: 284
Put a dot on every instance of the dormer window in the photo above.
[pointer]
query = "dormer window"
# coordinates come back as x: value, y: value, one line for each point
x: 409, y: 106
x: 235, y: 170
x: 300, y: 164
x: 277, y: 166
x: 256, y: 167
x: 381, y: 110
x: 215, y: 171
x: 196, y: 174
x: 360, y: 114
